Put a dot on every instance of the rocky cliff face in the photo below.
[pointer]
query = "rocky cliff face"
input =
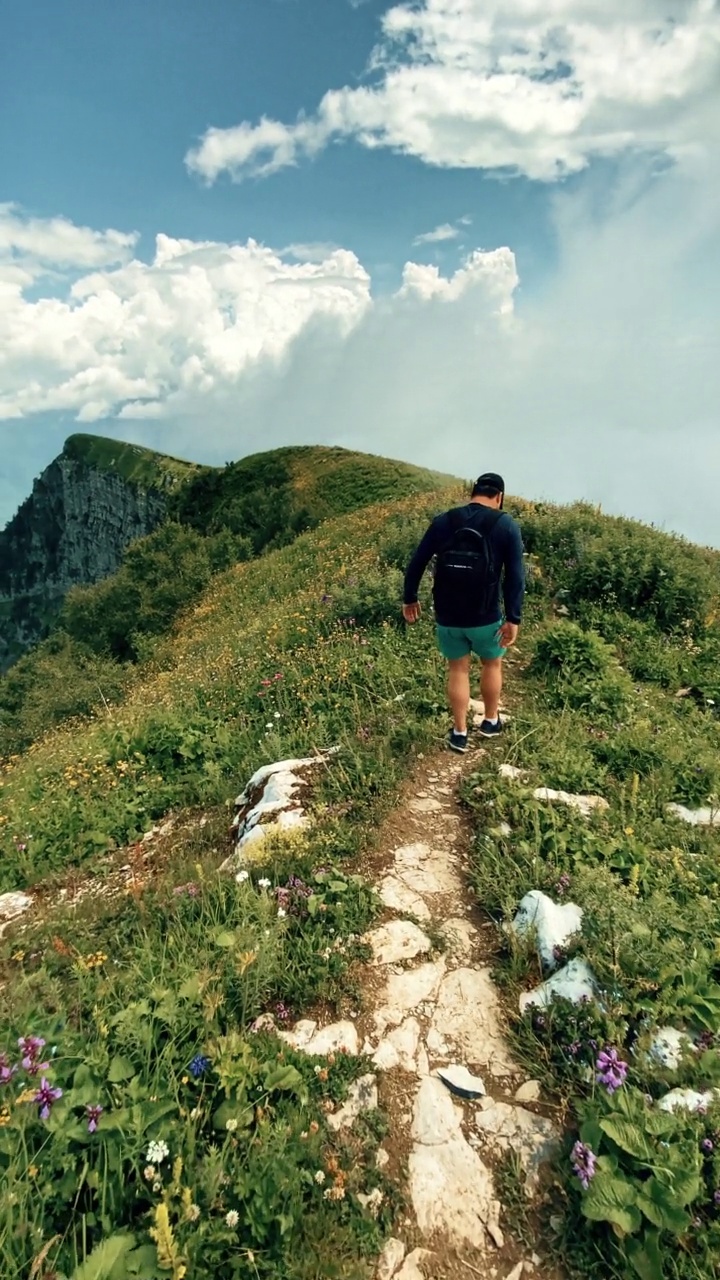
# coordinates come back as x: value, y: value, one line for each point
x: 71, y: 530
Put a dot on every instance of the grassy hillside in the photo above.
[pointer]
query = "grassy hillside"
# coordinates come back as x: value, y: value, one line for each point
x: 146, y: 1001
x: 134, y: 463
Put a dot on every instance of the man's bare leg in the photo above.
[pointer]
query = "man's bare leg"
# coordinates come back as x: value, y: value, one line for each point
x: 491, y: 686
x: 458, y: 688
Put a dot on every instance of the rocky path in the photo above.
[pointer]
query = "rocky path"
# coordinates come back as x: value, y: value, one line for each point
x: 444, y: 1073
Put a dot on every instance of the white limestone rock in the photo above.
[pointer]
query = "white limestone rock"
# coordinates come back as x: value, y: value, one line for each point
x: 13, y: 905
x: 461, y: 1081
x: 688, y: 1100
x: 362, y: 1096
x: 338, y: 1037
x: 696, y: 817
x: 532, y: 1138
x: 411, y: 1268
x: 667, y: 1047
x: 400, y: 897
x: 390, y: 1259
x: 425, y: 870
x: 436, y: 1119
x: 270, y: 804
x: 555, y: 924
x: 467, y: 1017
x: 511, y: 772
x: 460, y: 936
x: 396, y: 941
x: 531, y: 1091
x: 576, y: 982
x: 585, y: 804
x: 404, y: 992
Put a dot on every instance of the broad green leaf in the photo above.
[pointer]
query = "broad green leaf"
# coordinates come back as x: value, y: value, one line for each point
x: 611, y: 1198
x: 338, y: 886
x: 645, y: 1257
x: 190, y: 990
x: 660, y: 1208
x: 223, y: 938
x: 120, y: 1069
x: 142, y: 1263
x: 591, y: 1134
x: 101, y: 1263
x: 287, y: 1078
x: 628, y: 1137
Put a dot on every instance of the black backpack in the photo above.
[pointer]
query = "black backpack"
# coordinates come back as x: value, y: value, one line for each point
x: 465, y: 568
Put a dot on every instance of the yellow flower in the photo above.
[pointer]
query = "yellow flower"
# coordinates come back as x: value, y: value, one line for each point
x: 33, y: 1171
x: 629, y: 831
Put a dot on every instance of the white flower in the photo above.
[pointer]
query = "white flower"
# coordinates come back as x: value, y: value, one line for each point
x: 194, y: 1113
x: 157, y: 1186
x: 157, y: 1152
x: 193, y: 1212
x: 281, y: 912
x: 319, y: 1177
x: 242, y: 876
x: 269, y: 725
x: 264, y: 883
x: 149, y: 1172
x: 232, y: 1218
x: 231, y: 1125
x: 277, y: 715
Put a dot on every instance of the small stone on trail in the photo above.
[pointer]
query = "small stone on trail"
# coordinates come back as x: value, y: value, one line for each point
x: 532, y: 1138
x: 436, y: 1118
x: 382, y: 1159
x: 390, y: 1259
x: 399, y: 897
x: 554, y: 924
x: 362, y: 1096
x: 398, y: 940
x: 332, y: 1039
x: 405, y: 991
x: 460, y: 936
x: 461, y: 1081
x: 575, y: 982
x: 410, y: 1270
x: 529, y: 1092
x: 517, y: 1272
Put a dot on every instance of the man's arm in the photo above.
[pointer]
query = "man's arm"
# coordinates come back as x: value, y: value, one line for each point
x: 514, y: 577
x: 431, y: 543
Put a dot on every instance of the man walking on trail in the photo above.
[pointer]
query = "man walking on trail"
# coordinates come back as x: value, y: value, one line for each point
x: 477, y: 547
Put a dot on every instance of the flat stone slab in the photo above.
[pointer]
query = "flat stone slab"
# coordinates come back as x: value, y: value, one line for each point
x: 428, y: 872
x: 400, y: 1047
x: 362, y: 1096
x: 398, y: 940
x: 336, y: 1038
x: 696, y: 817
x: 531, y: 1091
x: 576, y: 982
x: 460, y: 936
x: 406, y: 991
x: 534, y: 1139
x: 390, y: 1259
x: 585, y: 804
x: 467, y: 1016
x: 424, y: 804
x: 411, y: 1268
x: 13, y: 905
x: 400, y: 897
x: 555, y: 924
x: 461, y: 1082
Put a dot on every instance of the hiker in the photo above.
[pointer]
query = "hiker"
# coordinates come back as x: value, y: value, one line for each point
x: 475, y: 546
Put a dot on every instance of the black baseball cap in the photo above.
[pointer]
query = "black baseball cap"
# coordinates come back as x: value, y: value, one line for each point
x: 490, y: 480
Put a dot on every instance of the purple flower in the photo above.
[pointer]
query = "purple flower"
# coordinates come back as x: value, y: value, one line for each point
x: 611, y: 1070
x: 198, y: 1066
x: 716, y: 1197
x: 583, y: 1161
x: 707, y: 1145
x: 282, y: 1013
x: 6, y: 1071
x: 574, y: 1048
x: 93, y: 1115
x: 30, y: 1049
x: 45, y: 1097
x: 562, y: 885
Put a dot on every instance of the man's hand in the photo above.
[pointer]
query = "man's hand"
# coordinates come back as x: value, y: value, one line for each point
x: 411, y: 612
x: 508, y: 634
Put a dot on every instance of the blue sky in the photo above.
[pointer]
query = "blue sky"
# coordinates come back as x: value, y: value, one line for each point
x: 295, y: 156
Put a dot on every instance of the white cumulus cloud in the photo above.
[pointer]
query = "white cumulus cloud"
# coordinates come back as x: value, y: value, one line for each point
x: 446, y: 231
x: 536, y: 87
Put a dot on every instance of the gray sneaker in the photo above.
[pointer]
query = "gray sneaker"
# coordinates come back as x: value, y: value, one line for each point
x: 457, y: 741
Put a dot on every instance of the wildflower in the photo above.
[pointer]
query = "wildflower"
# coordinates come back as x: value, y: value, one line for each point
x: 4, y: 1117
x: 277, y: 715
x: 198, y: 1065
x: 30, y: 1049
x: 314, y: 1126
x: 281, y: 913
x: 193, y: 1212
x: 611, y: 1070
x: 264, y: 883
x: 282, y: 1013
x: 716, y: 1197
x: 46, y: 1097
x: 707, y: 1145
x: 334, y: 1193
x: 319, y: 1177
x: 242, y: 876
x: 562, y: 885
x: 157, y: 1186
x: 232, y: 1218
x: 583, y: 1160
x: 231, y: 1125
x: 93, y: 1115
x: 6, y: 1071
x: 157, y: 1152
x: 33, y: 1171
x: 149, y: 1173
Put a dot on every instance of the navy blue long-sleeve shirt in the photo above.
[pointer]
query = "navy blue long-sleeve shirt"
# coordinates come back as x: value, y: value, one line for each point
x: 507, y: 551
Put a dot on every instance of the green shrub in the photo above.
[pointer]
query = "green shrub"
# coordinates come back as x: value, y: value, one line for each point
x: 580, y: 670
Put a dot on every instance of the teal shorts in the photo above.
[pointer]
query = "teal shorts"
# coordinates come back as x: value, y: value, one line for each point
x: 458, y: 642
